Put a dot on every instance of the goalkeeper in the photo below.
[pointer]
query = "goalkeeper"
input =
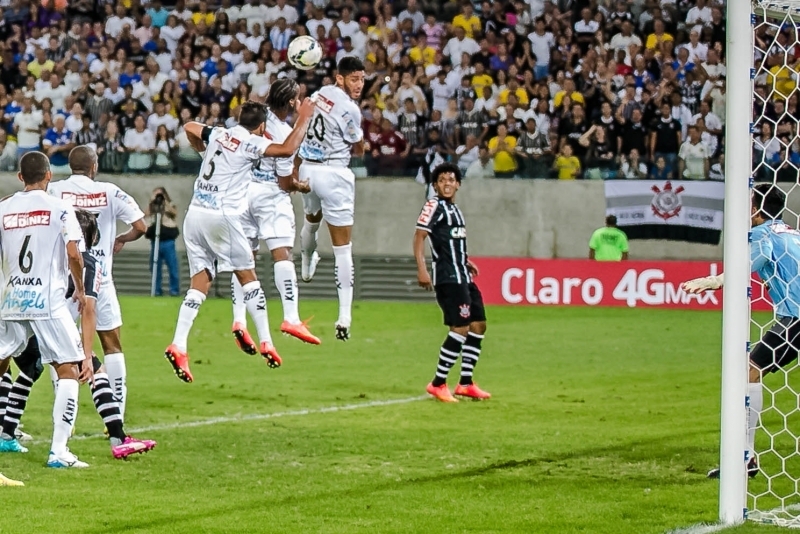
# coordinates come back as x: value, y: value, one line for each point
x: 775, y: 257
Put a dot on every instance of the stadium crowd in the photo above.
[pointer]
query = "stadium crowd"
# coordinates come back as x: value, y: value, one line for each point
x: 511, y: 88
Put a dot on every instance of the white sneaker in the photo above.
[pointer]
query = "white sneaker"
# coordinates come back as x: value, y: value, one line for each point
x: 308, y: 266
x: 64, y: 460
x: 22, y: 437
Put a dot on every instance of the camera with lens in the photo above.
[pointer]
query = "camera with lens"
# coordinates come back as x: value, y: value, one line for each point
x: 158, y: 203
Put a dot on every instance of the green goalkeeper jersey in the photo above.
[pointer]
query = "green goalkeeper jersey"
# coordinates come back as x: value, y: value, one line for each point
x: 608, y: 244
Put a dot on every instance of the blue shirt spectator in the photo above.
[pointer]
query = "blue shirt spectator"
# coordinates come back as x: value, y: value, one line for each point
x: 58, y: 142
x: 158, y: 14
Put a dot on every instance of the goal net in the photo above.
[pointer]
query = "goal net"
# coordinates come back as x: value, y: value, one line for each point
x: 773, y: 494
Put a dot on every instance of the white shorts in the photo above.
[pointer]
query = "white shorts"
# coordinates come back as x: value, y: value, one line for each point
x: 270, y: 217
x: 13, y: 338
x: 333, y: 191
x: 58, y: 337
x: 109, y: 315
x: 211, y: 237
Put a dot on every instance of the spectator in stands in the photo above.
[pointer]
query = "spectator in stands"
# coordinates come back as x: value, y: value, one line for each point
x: 501, y: 149
x: 167, y: 232
x: 140, y: 144
x: 483, y: 168
x: 694, y: 157
x: 632, y: 167
x: 467, y: 153
x: 534, y: 151
x: 566, y: 164
x: 8, y: 153
x: 27, y: 126
x: 57, y: 143
x: 665, y: 139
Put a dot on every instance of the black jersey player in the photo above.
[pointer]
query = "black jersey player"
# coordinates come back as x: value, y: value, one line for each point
x: 460, y: 299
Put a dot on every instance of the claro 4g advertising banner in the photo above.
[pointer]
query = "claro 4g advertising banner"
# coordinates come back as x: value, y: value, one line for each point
x: 542, y: 282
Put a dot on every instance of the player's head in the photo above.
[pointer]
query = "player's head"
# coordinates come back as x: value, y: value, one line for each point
x: 350, y: 76
x: 83, y: 160
x: 34, y: 170
x: 252, y: 116
x: 446, y: 179
x: 282, y: 95
x: 768, y: 203
x: 88, y: 224
x: 611, y: 221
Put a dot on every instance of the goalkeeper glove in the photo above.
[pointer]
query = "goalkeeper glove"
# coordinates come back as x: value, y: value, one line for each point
x: 698, y: 285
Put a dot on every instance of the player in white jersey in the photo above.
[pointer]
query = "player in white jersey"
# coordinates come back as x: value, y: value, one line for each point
x: 109, y: 204
x: 212, y: 230
x: 335, y: 131
x: 270, y: 217
x: 39, y: 245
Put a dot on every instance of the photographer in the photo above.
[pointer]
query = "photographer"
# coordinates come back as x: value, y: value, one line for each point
x: 160, y: 202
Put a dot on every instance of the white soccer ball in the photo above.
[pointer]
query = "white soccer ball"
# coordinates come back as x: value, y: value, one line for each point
x: 304, y: 52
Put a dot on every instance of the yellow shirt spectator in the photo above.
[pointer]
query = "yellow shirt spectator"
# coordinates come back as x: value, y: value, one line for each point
x: 36, y: 69
x: 470, y: 25
x: 522, y: 96
x: 654, y: 41
x: 503, y: 158
x: 568, y: 167
x: 426, y: 55
x: 783, y: 80
x: 575, y: 96
x: 479, y: 81
x: 208, y: 18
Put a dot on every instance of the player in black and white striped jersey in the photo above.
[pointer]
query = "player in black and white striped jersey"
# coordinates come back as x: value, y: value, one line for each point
x: 442, y: 222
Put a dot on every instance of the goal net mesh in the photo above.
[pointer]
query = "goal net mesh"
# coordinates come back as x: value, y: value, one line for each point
x: 774, y: 493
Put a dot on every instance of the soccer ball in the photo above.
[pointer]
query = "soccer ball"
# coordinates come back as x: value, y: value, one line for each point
x: 304, y: 52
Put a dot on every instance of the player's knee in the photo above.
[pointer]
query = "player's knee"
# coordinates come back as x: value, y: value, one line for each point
x: 460, y: 330
x: 478, y: 327
x: 110, y: 342
x: 67, y: 371
x: 245, y: 277
x: 32, y: 368
x: 282, y: 254
x: 314, y: 217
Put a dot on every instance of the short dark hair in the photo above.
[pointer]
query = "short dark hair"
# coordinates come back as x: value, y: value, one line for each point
x: 348, y: 65
x: 33, y: 166
x: 769, y: 200
x: 82, y: 159
x: 445, y: 168
x: 88, y: 224
x: 252, y: 115
x: 281, y: 93
x: 611, y: 220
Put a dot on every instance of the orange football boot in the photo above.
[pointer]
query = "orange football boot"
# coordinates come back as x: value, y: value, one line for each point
x: 270, y: 354
x: 180, y: 362
x: 441, y: 393
x: 472, y: 391
x: 243, y: 339
x: 300, y: 331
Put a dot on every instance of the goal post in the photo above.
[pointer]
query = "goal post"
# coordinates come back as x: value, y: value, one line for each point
x: 736, y: 260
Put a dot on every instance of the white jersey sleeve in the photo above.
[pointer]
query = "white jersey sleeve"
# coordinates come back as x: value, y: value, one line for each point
x: 334, y: 128
x: 125, y: 207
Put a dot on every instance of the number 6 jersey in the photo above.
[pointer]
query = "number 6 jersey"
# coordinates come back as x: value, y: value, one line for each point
x: 34, y: 231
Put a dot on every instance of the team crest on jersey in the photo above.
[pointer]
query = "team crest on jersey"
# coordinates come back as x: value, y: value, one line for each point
x: 427, y: 212
x: 463, y: 311
x: 229, y: 143
x: 667, y: 202
x: 91, y: 200
x: 324, y: 104
x: 14, y: 221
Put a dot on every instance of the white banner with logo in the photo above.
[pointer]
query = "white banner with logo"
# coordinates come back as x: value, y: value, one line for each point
x: 654, y: 202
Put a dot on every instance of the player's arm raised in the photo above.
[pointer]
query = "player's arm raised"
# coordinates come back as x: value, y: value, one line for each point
x: 295, y: 138
x: 195, y: 133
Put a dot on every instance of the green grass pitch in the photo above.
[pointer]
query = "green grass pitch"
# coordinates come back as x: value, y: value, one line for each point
x: 602, y: 421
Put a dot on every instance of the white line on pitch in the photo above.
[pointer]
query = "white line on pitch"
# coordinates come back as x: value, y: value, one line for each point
x: 701, y: 529
x: 259, y: 416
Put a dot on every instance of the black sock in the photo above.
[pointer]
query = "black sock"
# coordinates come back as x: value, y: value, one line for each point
x: 469, y: 357
x: 5, y: 388
x: 15, y: 403
x: 107, y: 406
x: 448, y: 355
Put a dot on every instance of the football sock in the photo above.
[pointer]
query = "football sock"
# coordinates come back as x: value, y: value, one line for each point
x: 756, y: 404
x: 107, y: 406
x: 191, y: 305
x: 343, y: 260
x: 256, y: 304
x: 308, y: 237
x: 65, y: 410
x: 15, y: 404
x: 5, y: 388
x: 448, y: 355
x: 469, y: 357
x: 286, y: 283
x: 118, y: 379
x: 53, y: 378
x: 237, y: 296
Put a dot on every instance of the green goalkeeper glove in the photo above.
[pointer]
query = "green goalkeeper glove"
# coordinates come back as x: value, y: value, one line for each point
x: 698, y: 285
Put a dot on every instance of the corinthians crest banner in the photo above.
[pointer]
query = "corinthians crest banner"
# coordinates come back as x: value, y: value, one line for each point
x: 678, y: 210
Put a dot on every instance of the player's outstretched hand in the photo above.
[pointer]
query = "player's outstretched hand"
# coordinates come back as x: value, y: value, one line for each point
x: 87, y: 371
x: 473, y: 269
x: 424, y: 280
x: 305, y: 110
x: 699, y: 285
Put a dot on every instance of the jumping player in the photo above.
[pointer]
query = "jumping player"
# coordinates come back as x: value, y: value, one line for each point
x: 270, y: 217
x: 460, y: 299
x: 334, y: 132
x: 109, y: 204
x: 775, y: 257
x: 39, y: 245
x: 107, y: 406
x: 213, y: 230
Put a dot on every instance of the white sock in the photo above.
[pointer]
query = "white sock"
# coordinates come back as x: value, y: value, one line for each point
x: 237, y: 296
x: 256, y: 303
x: 286, y: 282
x: 308, y: 237
x: 118, y: 378
x: 191, y: 305
x: 65, y: 410
x: 756, y: 394
x: 53, y: 378
x: 343, y: 261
